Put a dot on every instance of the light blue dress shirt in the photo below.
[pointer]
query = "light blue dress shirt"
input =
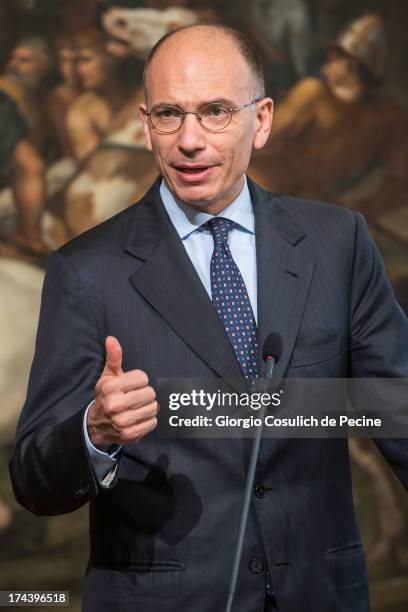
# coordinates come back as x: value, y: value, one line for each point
x: 199, y: 245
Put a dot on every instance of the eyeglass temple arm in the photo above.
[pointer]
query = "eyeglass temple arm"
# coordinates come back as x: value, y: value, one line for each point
x: 245, y: 105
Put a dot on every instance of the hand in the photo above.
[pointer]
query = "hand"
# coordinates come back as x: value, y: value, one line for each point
x: 125, y: 407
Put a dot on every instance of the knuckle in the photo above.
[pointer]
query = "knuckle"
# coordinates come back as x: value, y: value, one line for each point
x: 125, y: 436
x: 105, y: 388
x: 116, y: 425
x: 128, y: 435
x: 151, y: 393
x: 142, y: 377
x: 112, y: 406
x: 107, y: 404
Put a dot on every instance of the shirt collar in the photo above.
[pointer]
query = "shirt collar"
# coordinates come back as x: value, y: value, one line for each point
x: 187, y: 220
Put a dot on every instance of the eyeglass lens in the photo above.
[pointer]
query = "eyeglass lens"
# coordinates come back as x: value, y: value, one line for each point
x: 169, y: 118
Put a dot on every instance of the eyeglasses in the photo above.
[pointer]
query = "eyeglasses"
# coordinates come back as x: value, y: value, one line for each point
x: 213, y: 116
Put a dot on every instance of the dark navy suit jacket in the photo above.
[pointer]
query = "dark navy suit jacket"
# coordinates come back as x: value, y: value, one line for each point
x: 162, y: 536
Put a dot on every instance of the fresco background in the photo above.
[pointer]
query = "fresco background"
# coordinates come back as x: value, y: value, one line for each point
x: 71, y: 152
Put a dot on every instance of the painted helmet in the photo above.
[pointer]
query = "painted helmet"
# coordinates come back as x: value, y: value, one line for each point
x: 365, y: 40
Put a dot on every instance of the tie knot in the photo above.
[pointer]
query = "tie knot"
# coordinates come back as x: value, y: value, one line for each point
x: 220, y: 228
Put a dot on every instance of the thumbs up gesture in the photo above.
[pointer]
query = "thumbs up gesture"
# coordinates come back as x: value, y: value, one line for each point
x: 125, y: 406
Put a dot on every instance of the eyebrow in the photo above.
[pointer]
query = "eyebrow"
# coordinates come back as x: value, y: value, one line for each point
x: 224, y: 101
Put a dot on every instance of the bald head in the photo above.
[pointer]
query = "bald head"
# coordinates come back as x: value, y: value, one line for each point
x: 204, y: 39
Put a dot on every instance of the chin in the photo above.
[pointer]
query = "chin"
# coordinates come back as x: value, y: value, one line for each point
x: 195, y: 195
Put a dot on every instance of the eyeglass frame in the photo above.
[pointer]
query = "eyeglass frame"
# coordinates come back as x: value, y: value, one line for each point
x: 197, y: 114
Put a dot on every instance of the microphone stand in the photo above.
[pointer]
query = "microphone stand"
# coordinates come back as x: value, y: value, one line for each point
x: 270, y: 363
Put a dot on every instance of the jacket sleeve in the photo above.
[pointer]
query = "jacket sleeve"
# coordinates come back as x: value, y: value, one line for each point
x: 50, y: 468
x: 379, y: 343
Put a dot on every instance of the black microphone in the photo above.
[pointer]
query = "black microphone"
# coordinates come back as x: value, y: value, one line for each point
x: 271, y: 353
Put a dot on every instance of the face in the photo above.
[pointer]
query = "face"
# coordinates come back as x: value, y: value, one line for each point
x: 27, y: 64
x: 91, y: 68
x: 67, y: 65
x: 204, y: 169
x: 337, y: 69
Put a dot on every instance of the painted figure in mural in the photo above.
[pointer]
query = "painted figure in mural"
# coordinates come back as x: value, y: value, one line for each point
x: 104, y: 128
x: 337, y: 138
x: 61, y: 98
x: 28, y: 65
x: 23, y: 169
x: 90, y: 117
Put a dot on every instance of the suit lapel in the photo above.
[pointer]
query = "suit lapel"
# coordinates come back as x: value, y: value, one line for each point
x: 169, y: 282
x: 284, y: 273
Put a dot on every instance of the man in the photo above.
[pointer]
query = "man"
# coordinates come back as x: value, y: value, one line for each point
x: 164, y: 513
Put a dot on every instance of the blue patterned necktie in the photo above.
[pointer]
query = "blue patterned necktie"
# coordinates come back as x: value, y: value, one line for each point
x: 230, y: 299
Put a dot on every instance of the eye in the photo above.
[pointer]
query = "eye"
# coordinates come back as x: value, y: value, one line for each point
x: 166, y: 112
x: 215, y: 111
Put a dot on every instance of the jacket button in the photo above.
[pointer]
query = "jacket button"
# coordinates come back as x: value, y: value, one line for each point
x: 256, y: 566
x: 260, y: 491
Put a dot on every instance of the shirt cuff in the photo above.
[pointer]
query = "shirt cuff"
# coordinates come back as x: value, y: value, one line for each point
x: 103, y: 463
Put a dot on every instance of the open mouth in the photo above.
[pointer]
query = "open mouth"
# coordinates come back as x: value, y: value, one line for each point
x: 193, y: 174
x: 192, y: 170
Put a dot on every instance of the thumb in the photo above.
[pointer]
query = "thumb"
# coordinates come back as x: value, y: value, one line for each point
x: 113, y: 363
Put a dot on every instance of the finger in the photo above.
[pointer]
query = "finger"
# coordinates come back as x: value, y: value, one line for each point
x: 135, y: 433
x: 129, y: 418
x: 139, y: 397
x: 113, y: 363
x: 118, y: 402
x: 121, y: 383
x: 133, y: 379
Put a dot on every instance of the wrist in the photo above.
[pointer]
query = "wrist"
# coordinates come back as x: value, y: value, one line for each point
x: 93, y: 434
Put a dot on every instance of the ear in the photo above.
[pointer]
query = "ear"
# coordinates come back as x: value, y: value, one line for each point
x: 146, y: 126
x: 264, y: 114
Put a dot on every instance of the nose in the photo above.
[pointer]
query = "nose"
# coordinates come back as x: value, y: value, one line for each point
x: 191, y: 135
